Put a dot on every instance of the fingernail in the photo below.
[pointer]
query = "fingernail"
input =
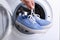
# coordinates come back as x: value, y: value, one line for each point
x: 33, y: 7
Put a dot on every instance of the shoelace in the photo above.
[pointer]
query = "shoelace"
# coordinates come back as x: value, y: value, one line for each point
x: 36, y: 15
x: 31, y: 17
x: 32, y: 13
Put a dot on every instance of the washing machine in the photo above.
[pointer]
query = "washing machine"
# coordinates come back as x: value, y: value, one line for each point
x: 9, y: 10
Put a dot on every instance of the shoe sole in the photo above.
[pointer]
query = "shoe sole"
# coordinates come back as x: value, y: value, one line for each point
x: 30, y: 30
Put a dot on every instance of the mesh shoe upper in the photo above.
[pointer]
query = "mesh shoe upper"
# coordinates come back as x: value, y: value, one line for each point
x: 42, y: 22
x: 28, y: 22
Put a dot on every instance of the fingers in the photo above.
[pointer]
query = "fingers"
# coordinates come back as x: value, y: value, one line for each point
x: 29, y: 3
x: 33, y: 4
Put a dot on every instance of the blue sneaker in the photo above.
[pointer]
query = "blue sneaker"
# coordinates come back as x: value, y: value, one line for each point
x: 28, y: 21
x: 41, y: 22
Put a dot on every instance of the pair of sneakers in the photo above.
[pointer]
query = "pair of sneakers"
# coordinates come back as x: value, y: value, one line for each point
x: 32, y: 21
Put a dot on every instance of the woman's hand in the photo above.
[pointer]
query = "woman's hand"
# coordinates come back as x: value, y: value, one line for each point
x: 29, y: 3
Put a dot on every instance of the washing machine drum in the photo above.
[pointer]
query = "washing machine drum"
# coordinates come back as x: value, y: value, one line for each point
x: 28, y: 24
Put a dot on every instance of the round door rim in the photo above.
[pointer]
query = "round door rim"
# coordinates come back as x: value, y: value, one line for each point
x: 6, y: 7
x: 44, y: 7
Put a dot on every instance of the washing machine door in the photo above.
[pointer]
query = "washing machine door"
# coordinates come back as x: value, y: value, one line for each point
x: 42, y: 8
x: 5, y: 19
